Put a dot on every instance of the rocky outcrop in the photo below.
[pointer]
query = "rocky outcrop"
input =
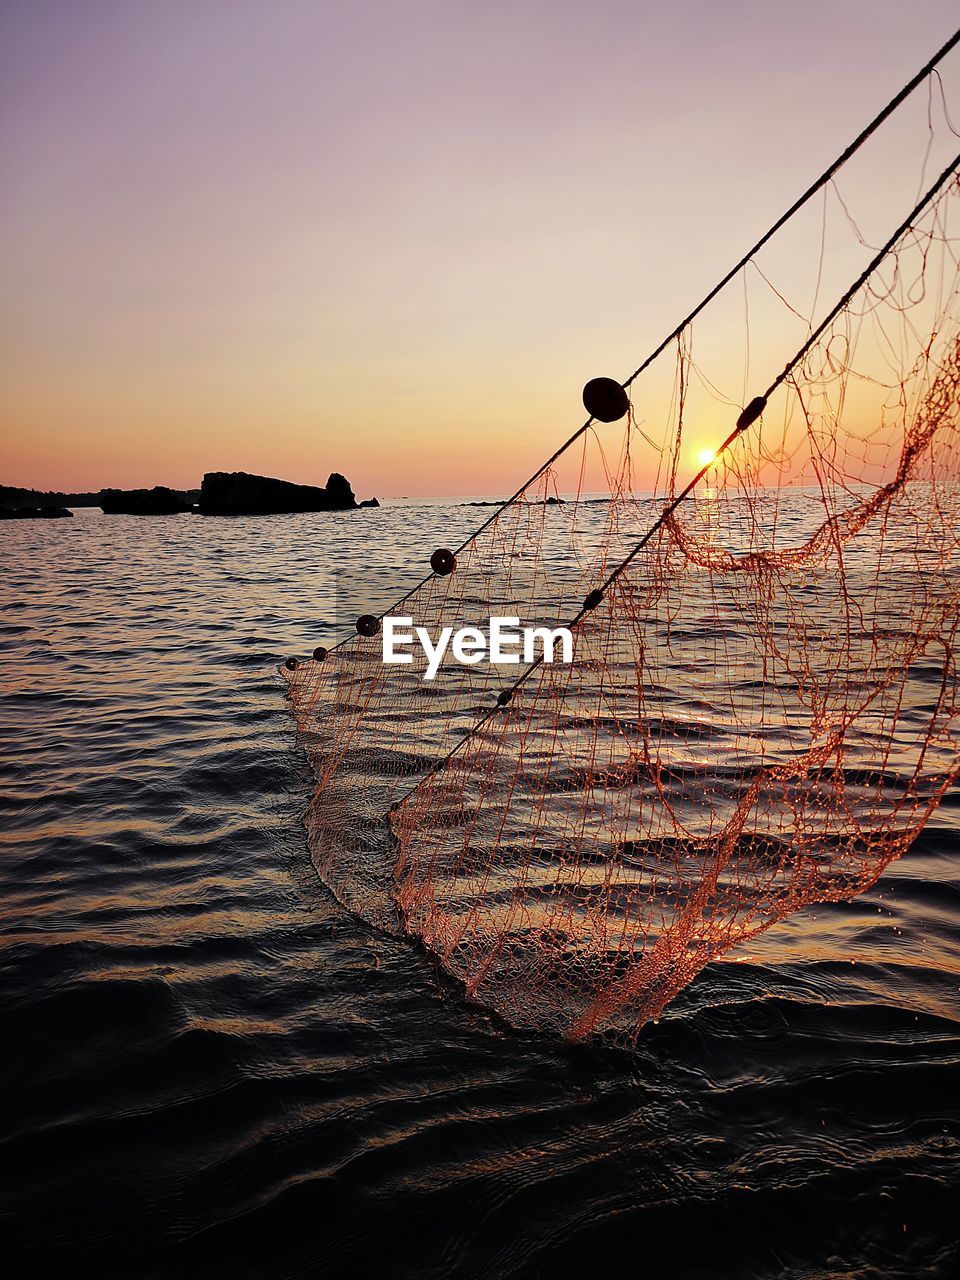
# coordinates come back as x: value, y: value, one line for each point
x: 236, y: 493
x: 46, y: 512
x: 158, y: 501
x: 35, y: 499
x: 223, y: 493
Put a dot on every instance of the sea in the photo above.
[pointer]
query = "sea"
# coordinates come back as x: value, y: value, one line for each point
x: 211, y: 1068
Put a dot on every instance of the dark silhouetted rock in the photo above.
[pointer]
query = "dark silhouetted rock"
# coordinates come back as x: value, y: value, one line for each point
x: 158, y: 501
x: 370, y: 502
x: 46, y: 512
x: 12, y: 496
x: 339, y: 492
x: 235, y: 493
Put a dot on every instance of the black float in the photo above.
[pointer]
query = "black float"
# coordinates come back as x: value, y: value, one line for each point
x: 443, y: 562
x: 605, y: 399
x: 752, y: 412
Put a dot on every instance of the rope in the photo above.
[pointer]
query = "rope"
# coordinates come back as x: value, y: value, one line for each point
x: 750, y: 415
x: 826, y: 176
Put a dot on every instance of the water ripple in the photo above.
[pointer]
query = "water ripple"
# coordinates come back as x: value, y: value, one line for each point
x: 211, y: 1069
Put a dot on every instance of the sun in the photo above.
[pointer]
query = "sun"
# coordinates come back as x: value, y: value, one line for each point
x: 706, y: 456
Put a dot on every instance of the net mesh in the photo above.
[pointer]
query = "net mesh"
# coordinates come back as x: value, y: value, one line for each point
x: 762, y: 710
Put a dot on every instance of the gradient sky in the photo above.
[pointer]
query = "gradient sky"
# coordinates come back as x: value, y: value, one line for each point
x: 391, y: 239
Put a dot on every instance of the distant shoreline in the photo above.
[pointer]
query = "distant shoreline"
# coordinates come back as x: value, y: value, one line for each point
x: 16, y: 496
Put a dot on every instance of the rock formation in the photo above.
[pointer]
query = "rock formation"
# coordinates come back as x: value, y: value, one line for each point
x: 158, y: 501
x: 14, y: 496
x: 236, y: 493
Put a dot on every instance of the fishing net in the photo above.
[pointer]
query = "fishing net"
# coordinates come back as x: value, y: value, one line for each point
x: 762, y: 708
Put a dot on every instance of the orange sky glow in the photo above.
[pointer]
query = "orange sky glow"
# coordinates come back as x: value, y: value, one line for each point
x: 395, y: 240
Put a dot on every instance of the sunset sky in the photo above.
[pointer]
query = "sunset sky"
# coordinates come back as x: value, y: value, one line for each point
x: 394, y: 239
